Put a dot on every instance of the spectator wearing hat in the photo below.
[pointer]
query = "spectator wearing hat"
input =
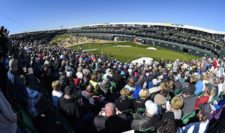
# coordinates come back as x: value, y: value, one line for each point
x: 176, y: 105
x: 189, y: 99
x: 201, y: 126
x: 56, y: 92
x: 104, y: 87
x: 149, y: 120
x: 140, y: 103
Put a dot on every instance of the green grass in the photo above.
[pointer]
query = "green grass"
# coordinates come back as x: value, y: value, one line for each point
x: 126, y: 54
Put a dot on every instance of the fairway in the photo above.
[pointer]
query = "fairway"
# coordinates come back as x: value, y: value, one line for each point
x: 126, y: 54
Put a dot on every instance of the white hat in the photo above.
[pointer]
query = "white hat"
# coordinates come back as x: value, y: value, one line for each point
x: 79, y: 75
x: 130, y: 70
x: 151, y: 108
x: 154, y: 81
x: 69, y: 74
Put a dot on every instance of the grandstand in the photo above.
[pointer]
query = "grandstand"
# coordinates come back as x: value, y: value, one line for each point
x: 189, y: 39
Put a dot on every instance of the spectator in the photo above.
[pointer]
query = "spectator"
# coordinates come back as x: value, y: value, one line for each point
x: 206, y: 95
x: 130, y: 85
x: 17, y: 87
x: 201, y: 126
x: 56, y: 92
x: 149, y: 120
x: 123, y: 103
x: 176, y: 104
x: 69, y: 106
x: 140, y: 103
x: 111, y: 120
x: 189, y: 99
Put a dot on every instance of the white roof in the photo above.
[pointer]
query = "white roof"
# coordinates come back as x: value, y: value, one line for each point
x: 164, y: 24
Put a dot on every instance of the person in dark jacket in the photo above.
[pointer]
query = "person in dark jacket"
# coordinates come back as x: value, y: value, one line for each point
x: 16, y: 85
x: 111, y: 120
x: 140, y: 103
x: 123, y: 103
x: 69, y: 106
x: 149, y: 120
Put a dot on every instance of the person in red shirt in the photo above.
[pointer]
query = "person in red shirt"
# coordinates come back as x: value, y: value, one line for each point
x: 205, y: 98
x: 215, y: 63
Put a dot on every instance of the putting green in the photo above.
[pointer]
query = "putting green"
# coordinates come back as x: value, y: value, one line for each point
x: 127, y: 54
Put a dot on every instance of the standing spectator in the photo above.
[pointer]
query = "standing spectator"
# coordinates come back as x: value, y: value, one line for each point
x: 17, y: 87
x: 56, y: 92
x: 189, y: 99
x: 69, y: 106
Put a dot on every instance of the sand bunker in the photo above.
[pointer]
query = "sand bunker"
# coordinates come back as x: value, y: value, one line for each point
x: 87, y: 50
x: 122, y: 46
x: 151, y: 48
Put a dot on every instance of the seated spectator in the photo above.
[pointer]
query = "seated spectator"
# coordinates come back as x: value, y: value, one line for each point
x: 206, y: 96
x: 123, y: 103
x: 199, y: 85
x: 148, y: 120
x: 176, y: 105
x: 138, y: 86
x: 189, y: 99
x: 56, y: 92
x: 69, y: 106
x: 201, y: 126
x: 111, y: 120
x: 130, y: 85
x: 160, y: 98
x: 16, y: 85
x: 140, y: 103
x: 8, y: 119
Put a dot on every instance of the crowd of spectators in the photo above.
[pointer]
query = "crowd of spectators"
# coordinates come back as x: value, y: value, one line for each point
x: 99, y: 94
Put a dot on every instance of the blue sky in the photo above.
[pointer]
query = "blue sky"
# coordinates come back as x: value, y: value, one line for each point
x: 30, y: 15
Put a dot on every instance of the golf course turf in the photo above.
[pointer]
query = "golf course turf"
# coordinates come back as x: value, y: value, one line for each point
x: 126, y: 53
